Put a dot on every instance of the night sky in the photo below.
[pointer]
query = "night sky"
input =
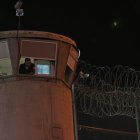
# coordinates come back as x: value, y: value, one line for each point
x: 106, y: 32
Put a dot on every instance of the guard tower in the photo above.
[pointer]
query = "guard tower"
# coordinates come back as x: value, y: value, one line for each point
x: 38, y: 106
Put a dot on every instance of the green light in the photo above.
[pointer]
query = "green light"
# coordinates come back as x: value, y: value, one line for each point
x: 115, y: 23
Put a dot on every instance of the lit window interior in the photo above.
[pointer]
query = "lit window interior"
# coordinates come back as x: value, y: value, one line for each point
x: 5, y: 62
x: 42, y: 54
x: 42, y: 67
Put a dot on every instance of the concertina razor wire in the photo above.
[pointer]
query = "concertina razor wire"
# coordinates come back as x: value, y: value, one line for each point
x: 107, y: 91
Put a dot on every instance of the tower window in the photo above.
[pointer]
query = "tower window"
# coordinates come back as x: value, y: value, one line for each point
x: 42, y: 54
x: 5, y: 61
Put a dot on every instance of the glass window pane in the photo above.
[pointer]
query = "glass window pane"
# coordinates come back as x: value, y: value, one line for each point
x: 42, y: 67
x: 42, y: 54
x: 5, y: 62
x: 72, y: 59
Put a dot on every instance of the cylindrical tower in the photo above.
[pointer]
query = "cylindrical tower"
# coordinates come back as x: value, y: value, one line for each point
x: 36, y: 106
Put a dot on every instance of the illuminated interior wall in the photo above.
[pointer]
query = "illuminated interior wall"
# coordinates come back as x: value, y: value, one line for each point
x: 5, y: 61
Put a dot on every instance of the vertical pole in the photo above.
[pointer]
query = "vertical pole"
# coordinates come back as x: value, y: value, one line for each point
x: 137, y: 118
x: 74, y: 114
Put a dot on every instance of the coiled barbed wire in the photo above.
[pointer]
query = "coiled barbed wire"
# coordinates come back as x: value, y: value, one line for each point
x: 108, y: 91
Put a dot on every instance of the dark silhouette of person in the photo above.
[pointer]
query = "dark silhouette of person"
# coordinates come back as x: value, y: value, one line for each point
x: 27, y: 67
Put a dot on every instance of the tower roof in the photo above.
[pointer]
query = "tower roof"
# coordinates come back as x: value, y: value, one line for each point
x: 37, y: 34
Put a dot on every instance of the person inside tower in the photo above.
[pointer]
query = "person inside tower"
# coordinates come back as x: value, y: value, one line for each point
x: 27, y: 67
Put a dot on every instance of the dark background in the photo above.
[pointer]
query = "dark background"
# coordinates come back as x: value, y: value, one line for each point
x: 89, y: 23
x: 106, y: 32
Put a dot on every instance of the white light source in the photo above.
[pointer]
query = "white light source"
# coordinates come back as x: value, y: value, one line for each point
x: 19, y: 11
x: 83, y: 75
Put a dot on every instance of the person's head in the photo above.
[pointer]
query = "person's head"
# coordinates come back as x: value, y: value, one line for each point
x: 27, y: 61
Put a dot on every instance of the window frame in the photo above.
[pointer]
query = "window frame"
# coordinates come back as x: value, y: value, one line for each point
x: 54, y: 60
x: 8, y: 57
x: 71, y: 65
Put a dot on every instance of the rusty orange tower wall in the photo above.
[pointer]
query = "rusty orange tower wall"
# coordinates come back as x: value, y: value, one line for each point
x: 36, y: 106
